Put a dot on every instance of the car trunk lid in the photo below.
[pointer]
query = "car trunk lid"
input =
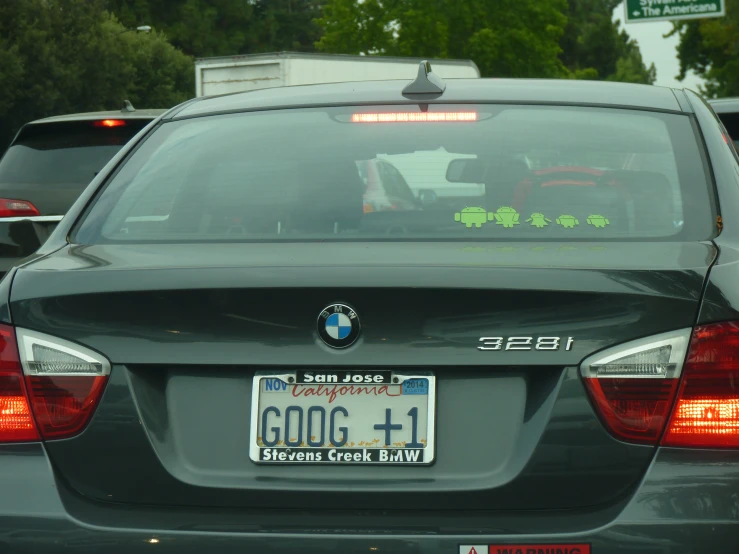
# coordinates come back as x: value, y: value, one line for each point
x: 187, y: 327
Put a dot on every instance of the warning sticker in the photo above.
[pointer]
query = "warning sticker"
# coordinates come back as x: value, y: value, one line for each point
x: 539, y: 549
x: 473, y: 549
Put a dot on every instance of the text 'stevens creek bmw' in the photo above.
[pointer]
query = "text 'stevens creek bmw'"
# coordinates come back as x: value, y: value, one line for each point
x: 221, y: 349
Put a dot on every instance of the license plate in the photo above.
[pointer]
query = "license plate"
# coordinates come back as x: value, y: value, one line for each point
x: 343, y: 417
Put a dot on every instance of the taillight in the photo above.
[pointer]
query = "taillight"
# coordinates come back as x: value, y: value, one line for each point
x: 109, y: 123
x: 633, y: 385
x: 707, y: 410
x: 64, y: 382
x: 16, y: 423
x: 17, y: 208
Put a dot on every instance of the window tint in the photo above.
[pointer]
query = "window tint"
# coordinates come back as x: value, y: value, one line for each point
x: 63, y: 153
x: 531, y: 173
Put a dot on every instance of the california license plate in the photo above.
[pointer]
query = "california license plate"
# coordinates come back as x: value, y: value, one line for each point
x: 343, y: 417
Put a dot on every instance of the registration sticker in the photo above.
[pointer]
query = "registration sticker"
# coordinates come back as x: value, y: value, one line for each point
x: 343, y: 417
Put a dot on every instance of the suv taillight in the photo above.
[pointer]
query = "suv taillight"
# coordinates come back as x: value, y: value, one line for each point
x: 61, y: 382
x: 707, y: 410
x: 17, y: 208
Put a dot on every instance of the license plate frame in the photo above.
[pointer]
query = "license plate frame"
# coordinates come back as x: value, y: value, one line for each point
x: 393, y: 456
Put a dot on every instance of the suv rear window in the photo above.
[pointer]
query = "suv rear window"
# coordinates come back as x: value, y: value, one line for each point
x: 462, y: 172
x: 63, y: 153
x: 731, y: 122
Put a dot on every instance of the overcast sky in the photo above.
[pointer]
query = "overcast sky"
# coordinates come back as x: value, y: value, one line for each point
x: 660, y: 51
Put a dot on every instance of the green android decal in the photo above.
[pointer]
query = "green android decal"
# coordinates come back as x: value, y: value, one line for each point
x: 506, y: 216
x: 597, y: 221
x: 473, y: 216
x: 538, y: 220
x: 567, y: 221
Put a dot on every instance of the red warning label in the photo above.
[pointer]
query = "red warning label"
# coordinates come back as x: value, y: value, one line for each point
x: 539, y: 549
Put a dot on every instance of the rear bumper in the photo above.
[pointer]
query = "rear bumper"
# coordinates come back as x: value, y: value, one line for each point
x: 687, y: 503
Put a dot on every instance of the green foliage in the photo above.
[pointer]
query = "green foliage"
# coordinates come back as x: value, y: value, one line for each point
x: 710, y: 48
x: 197, y: 27
x: 203, y: 28
x: 592, y: 42
x: 506, y: 38
x: 353, y: 28
x: 630, y: 67
x: 287, y: 25
x: 64, y: 56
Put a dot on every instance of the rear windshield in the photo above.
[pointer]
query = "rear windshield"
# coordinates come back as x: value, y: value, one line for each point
x: 64, y: 153
x: 731, y: 122
x: 463, y: 172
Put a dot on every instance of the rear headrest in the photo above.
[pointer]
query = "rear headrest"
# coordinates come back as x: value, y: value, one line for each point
x: 330, y: 195
x: 651, y: 195
x: 571, y: 199
x: 512, y: 171
x: 500, y: 185
x: 641, y: 182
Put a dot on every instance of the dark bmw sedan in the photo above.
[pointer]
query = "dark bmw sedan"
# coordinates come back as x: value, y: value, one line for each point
x: 220, y: 349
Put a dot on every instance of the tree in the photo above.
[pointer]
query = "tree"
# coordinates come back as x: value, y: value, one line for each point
x: 630, y: 67
x: 197, y: 27
x: 287, y: 25
x: 710, y: 48
x: 593, y: 46
x: 62, y: 56
x: 204, y: 28
x: 506, y: 38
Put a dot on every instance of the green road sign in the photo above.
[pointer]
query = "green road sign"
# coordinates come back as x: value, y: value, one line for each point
x: 661, y: 10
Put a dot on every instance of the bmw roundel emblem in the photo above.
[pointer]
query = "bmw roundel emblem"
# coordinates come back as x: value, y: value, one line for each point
x: 338, y: 325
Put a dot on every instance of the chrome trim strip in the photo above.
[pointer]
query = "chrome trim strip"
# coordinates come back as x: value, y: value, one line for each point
x: 35, y: 218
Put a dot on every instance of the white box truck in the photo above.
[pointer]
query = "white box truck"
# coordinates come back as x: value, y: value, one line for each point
x: 227, y: 74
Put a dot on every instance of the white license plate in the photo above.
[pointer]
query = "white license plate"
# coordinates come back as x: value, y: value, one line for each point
x: 343, y: 417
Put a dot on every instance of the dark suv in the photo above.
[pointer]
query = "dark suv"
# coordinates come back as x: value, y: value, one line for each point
x: 47, y: 166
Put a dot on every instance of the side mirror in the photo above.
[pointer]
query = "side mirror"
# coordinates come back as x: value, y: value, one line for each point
x: 465, y: 170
